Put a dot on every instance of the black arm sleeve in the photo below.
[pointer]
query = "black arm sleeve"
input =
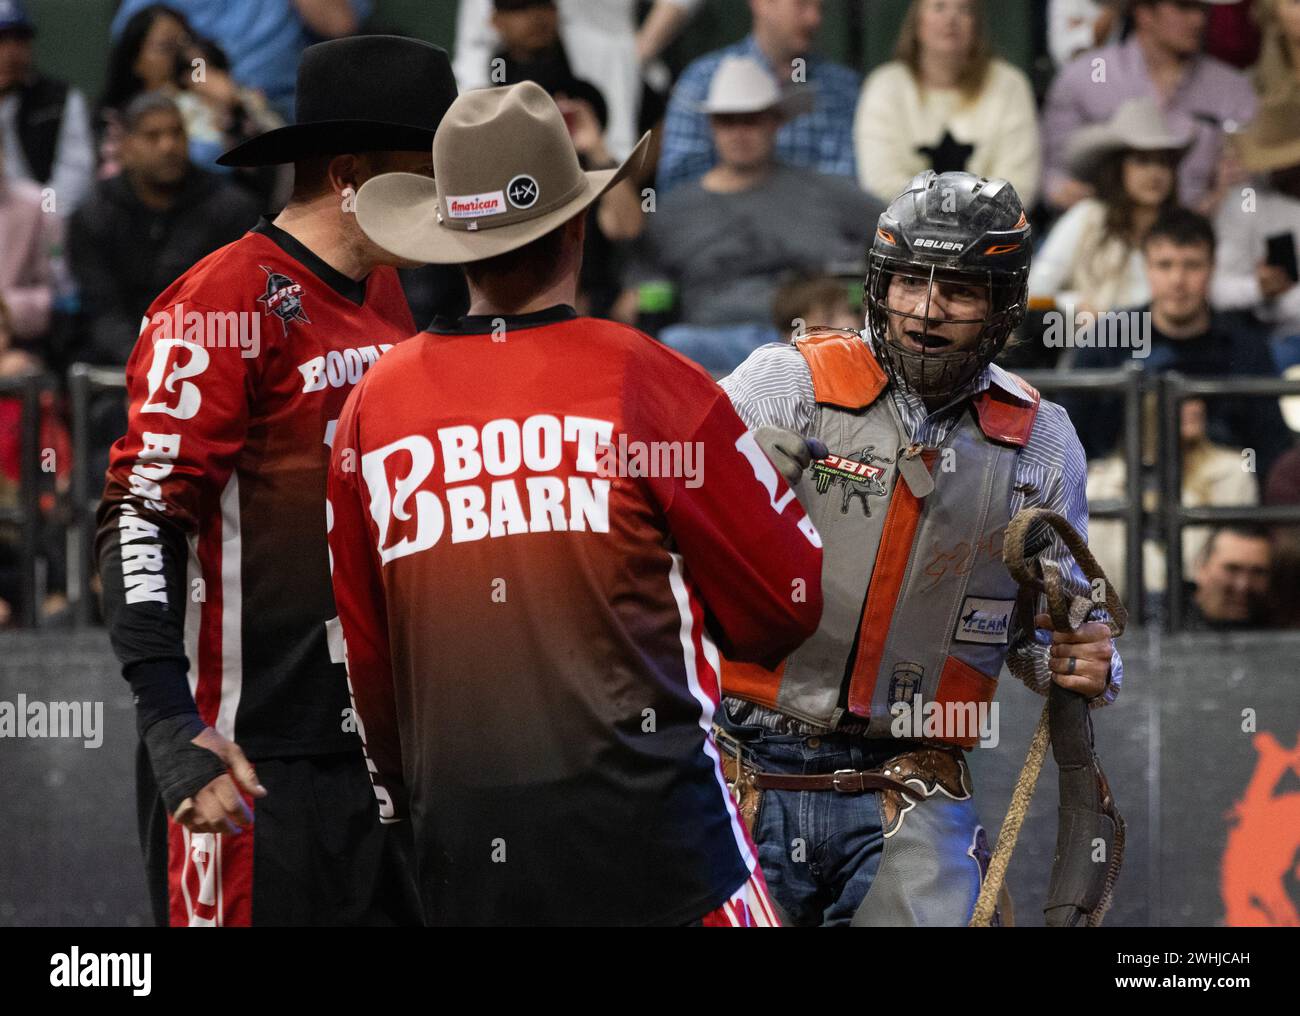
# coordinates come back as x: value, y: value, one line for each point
x: 142, y: 567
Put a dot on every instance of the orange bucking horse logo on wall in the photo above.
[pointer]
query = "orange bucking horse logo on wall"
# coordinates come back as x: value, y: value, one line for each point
x: 1261, y: 862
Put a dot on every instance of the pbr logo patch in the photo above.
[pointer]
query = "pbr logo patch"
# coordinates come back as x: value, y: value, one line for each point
x: 858, y: 476
x: 983, y: 620
x: 283, y: 298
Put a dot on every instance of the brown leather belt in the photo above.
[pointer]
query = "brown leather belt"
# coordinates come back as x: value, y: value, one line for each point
x: 843, y: 781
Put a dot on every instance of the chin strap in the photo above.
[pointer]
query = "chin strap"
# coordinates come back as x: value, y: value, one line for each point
x: 1080, y: 889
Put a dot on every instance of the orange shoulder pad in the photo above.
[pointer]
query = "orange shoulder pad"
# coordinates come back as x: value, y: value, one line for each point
x: 1003, y: 418
x: 844, y: 370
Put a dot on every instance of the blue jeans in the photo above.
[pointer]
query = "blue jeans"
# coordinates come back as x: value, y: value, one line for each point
x: 719, y: 349
x: 821, y: 851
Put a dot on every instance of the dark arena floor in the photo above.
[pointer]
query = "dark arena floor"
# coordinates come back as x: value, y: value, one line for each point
x: 1211, y: 805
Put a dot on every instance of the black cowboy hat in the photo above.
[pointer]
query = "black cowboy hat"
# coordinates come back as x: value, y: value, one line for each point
x: 366, y: 93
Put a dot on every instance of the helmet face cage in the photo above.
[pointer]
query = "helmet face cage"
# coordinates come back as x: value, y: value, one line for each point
x: 940, y: 375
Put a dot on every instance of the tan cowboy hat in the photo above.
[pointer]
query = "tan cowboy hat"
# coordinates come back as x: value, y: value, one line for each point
x: 1137, y: 124
x: 1272, y: 140
x: 742, y: 85
x: 505, y: 174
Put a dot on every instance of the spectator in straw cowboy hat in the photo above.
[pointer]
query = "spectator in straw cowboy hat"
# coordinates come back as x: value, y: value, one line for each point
x: 1164, y: 57
x: 528, y: 614
x: 1092, y: 259
x: 1259, y: 230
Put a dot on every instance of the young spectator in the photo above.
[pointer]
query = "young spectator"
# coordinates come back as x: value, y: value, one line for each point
x: 1277, y: 71
x: 1162, y: 58
x: 1231, y: 582
x: 140, y: 230
x: 946, y: 103
x: 1092, y: 259
x: 781, y: 40
x: 264, y: 37
x: 726, y: 240
x: 157, y: 52
x: 603, y: 42
x: 1186, y: 335
x: 816, y: 301
x: 1074, y: 26
x: 26, y: 272
x: 1247, y: 277
x: 44, y: 127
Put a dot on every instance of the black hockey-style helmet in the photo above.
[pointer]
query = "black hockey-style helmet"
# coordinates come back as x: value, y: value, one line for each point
x: 955, y: 227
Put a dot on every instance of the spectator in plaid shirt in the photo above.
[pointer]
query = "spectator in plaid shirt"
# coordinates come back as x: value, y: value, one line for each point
x: 783, y: 33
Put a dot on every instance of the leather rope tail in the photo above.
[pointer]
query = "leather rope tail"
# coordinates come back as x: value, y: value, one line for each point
x: 1080, y: 889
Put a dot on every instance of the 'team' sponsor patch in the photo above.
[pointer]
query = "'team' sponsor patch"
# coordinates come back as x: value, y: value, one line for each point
x: 984, y: 620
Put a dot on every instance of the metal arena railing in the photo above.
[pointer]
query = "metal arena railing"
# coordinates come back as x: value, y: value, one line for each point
x: 1175, y: 389
x: 85, y: 382
x: 25, y: 515
x: 1128, y: 509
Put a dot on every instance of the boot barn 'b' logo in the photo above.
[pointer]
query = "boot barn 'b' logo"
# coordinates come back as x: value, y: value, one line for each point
x: 283, y: 298
x: 1260, y: 878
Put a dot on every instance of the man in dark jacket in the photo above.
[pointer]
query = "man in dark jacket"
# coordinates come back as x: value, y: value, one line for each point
x: 140, y: 230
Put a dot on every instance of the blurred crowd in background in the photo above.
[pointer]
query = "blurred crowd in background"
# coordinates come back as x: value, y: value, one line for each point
x: 1157, y: 141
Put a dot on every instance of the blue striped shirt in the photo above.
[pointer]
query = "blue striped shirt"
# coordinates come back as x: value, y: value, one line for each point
x: 820, y: 140
x: 774, y: 388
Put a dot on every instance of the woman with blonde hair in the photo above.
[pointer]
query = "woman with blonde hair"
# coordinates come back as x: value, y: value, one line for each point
x: 1277, y: 72
x: 946, y: 103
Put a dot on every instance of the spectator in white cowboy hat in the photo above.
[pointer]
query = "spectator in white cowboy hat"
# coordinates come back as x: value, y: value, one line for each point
x: 782, y: 42
x: 945, y: 102
x: 1092, y: 258
x: 516, y: 719
x: 1259, y: 230
x: 725, y: 241
x: 1164, y: 58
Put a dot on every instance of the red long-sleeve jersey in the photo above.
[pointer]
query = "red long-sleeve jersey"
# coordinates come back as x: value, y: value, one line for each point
x: 542, y: 528
x: 212, y: 527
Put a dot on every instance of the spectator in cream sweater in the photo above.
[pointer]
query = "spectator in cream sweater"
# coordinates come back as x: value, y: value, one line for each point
x: 945, y: 103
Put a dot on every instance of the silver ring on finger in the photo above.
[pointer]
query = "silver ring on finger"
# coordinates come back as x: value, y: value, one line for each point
x: 1073, y: 660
